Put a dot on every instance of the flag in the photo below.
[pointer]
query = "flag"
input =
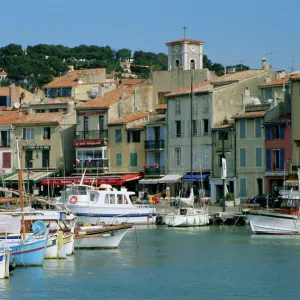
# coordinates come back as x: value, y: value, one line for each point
x: 224, y: 168
x: 77, y: 161
x: 89, y: 160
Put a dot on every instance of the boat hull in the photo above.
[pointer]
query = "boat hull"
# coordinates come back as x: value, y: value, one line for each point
x: 4, y: 264
x: 114, y: 216
x: 107, y: 240
x: 175, y: 220
x: 51, y: 248
x: 274, y: 223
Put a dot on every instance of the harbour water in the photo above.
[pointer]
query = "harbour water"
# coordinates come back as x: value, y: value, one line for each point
x: 169, y: 263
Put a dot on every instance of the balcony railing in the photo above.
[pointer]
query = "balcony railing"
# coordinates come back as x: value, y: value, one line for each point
x: 94, y: 164
x: 149, y: 171
x: 154, y: 144
x: 91, y: 135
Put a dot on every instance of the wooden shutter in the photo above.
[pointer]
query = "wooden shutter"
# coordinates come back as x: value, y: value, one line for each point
x: 268, y: 133
x: 6, y: 160
x: 268, y: 157
x: 281, y: 132
x: 281, y: 159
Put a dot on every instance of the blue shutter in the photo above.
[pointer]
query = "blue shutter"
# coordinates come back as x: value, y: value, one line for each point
x: 281, y: 132
x: 119, y: 159
x: 242, y: 129
x: 242, y: 157
x: 162, y: 158
x: 243, y: 187
x: 151, y: 159
x: 258, y: 152
x: 268, y: 133
x: 281, y: 159
x: 161, y: 133
x: 133, y: 159
x: 150, y: 133
x: 268, y: 157
x: 258, y: 128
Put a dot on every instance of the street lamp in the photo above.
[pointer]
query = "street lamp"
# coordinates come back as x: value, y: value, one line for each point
x: 27, y: 160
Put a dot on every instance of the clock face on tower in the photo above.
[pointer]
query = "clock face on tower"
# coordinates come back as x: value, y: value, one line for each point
x: 193, y: 49
x: 176, y: 48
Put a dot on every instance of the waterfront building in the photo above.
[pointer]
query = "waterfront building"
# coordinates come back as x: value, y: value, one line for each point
x: 45, y: 141
x: 10, y: 95
x: 3, y: 75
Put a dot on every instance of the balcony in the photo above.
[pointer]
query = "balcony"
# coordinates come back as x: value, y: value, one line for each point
x: 94, y: 164
x: 154, y: 145
x: 90, y: 135
x: 154, y: 171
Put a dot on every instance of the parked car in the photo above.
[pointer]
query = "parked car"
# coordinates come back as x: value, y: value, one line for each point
x: 264, y: 199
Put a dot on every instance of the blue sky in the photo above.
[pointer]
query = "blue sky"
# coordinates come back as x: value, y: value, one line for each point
x: 234, y: 31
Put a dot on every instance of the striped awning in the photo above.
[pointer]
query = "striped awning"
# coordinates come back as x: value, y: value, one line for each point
x: 34, y: 176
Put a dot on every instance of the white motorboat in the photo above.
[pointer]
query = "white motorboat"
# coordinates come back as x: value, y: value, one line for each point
x: 187, y: 216
x: 4, y: 263
x: 106, y: 205
x: 285, y: 220
x: 106, y: 237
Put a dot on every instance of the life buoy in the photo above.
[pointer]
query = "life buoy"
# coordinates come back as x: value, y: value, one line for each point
x: 73, y: 200
x: 150, y: 216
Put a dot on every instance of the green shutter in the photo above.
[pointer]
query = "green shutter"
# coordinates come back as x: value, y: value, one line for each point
x: 242, y: 128
x: 242, y: 157
x: 258, y: 155
x: 118, y: 136
x: 243, y: 187
x: 119, y: 159
x: 133, y: 159
x: 258, y: 128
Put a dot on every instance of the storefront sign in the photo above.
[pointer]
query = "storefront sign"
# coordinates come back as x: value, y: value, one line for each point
x: 83, y: 143
x: 36, y: 147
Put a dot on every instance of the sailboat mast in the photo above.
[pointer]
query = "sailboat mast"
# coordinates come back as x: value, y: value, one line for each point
x: 20, y: 180
x: 192, y: 80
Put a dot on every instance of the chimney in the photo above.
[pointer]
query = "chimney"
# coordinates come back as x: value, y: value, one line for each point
x: 264, y: 63
x: 101, y: 91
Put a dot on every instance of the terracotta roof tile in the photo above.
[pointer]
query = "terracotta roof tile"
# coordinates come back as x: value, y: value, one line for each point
x: 8, y: 117
x: 109, y: 98
x: 250, y: 114
x: 129, y: 118
x: 139, y: 126
x: 40, y: 118
x: 280, y: 81
x: 185, y: 40
x: 295, y: 76
x: 237, y: 76
x: 160, y: 106
x: 282, y: 119
x: 132, y: 81
x: 109, y: 75
x: 3, y: 73
x: 70, y: 79
x: 198, y: 88
x: 224, y: 126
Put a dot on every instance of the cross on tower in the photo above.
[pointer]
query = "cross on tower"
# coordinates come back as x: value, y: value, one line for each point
x: 184, y: 29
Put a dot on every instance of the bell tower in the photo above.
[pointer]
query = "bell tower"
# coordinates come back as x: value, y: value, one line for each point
x: 185, y: 53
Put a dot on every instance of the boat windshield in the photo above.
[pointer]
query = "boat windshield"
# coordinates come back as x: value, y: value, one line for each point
x: 78, y: 190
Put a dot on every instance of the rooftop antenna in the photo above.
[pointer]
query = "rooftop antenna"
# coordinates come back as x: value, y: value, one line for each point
x: 184, y: 30
x: 292, y: 66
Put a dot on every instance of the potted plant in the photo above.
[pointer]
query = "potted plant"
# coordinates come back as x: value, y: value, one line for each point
x: 229, y: 199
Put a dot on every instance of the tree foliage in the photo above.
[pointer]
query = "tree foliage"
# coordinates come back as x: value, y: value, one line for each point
x: 37, y: 65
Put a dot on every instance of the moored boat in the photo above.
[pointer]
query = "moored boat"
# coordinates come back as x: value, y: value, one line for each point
x: 4, y: 263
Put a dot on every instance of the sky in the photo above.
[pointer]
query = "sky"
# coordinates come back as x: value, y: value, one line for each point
x: 234, y: 31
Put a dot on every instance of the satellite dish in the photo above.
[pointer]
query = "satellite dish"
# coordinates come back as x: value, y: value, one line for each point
x: 16, y: 105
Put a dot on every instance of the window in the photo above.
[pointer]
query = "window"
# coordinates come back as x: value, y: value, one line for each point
x: 243, y: 187
x: 242, y: 129
x: 242, y: 157
x: 177, y: 107
x: 28, y: 159
x: 275, y: 133
x: 220, y: 160
x: 119, y: 198
x: 268, y: 93
x: 85, y: 123
x: 6, y: 160
x: 46, y: 133
x: 258, y: 156
x: 106, y: 199
x: 118, y: 136
x: 28, y: 134
x: 177, y: 63
x: 112, y: 199
x: 41, y: 111
x: 133, y: 159
x: 45, y: 158
x: 52, y: 110
x: 192, y: 64
x: 194, y: 128
x: 223, y: 135
x: 4, y: 138
x: 205, y: 126
x: 136, y: 136
x: 205, y: 159
x: 258, y: 128
x: 178, y: 128
x: 177, y: 157
x: 128, y: 136
x: 118, y: 159
x: 276, y: 159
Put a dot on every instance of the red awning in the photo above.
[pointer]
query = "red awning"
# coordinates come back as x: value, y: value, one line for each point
x: 112, y: 180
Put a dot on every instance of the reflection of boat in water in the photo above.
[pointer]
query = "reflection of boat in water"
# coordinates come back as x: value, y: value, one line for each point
x: 4, y: 263
x: 284, y: 220
x: 106, y: 205
x: 106, y: 237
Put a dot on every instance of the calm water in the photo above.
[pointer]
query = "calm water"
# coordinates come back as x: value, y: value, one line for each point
x: 194, y: 263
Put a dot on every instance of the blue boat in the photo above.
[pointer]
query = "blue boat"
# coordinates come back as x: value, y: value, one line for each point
x: 31, y: 251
